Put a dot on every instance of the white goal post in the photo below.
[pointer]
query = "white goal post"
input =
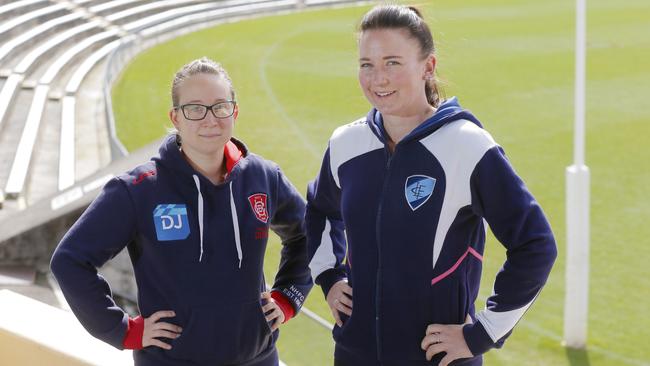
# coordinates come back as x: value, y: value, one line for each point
x: 576, y: 303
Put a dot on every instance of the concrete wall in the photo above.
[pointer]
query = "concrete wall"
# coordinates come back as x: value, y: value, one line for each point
x: 34, y: 333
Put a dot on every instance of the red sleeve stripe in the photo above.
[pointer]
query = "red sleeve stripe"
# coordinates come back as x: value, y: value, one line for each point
x: 134, y: 332
x: 284, y: 305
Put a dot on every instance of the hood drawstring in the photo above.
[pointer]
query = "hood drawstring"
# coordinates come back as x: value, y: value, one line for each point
x: 235, y: 220
x: 235, y: 225
x: 200, y: 199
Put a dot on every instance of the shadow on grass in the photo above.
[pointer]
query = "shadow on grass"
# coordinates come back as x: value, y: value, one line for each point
x: 577, y: 357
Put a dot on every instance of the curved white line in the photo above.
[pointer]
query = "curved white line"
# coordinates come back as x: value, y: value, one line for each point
x: 274, y: 100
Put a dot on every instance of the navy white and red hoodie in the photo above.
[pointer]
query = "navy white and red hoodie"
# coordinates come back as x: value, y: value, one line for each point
x: 197, y: 249
x: 407, y: 229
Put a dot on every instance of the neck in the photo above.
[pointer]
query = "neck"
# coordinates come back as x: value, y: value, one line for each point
x: 398, y: 127
x: 213, y: 167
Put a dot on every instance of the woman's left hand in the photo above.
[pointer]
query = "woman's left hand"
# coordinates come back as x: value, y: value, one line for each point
x: 272, y: 311
x: 446, y: 338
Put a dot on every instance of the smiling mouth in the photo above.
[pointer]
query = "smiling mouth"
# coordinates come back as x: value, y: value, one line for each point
x: 384, y: 94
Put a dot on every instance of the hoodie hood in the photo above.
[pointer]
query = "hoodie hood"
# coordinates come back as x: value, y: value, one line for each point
x: 449, y: 111
x: 172, y: 158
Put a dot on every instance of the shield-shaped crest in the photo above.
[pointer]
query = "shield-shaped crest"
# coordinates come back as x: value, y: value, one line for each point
x: 258, y: 204
x: 418, y: 189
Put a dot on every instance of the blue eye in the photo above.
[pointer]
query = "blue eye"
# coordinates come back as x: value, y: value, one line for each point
x: 391, y: 63
x: 364, y: 65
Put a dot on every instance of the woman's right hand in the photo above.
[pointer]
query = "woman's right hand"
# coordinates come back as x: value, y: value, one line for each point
x: 153, y: 329
x: 339, y: 299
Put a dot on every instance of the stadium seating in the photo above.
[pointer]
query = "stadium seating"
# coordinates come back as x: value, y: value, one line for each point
x: 36, y: 16
x: 66, y: 158
x: 15, y: 7
x: 53, y: 131
x: 48, y: 50
x: 67, y: 141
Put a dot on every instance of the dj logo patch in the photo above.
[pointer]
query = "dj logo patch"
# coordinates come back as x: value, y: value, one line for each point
x: 418, y: 189
x: 258, y: 204
x: 171, y: 222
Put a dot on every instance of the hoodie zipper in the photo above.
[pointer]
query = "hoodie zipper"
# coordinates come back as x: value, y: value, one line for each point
x: 378, y: 234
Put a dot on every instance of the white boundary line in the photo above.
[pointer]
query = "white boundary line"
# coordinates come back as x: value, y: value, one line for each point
x: 276, y: 103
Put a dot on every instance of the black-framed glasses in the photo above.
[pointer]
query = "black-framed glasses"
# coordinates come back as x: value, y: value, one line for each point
x: 197, y: 112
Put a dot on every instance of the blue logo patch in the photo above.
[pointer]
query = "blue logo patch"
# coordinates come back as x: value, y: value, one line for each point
x: 171, y: 222
x: 418, y: 189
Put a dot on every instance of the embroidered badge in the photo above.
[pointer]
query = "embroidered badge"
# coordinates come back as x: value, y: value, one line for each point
x: 258, y: 204
x: 171, y: 222
x: 418, y: 189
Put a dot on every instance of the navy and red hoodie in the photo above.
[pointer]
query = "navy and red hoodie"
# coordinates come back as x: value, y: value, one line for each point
x: 407, y: 229
x: 197, y: 249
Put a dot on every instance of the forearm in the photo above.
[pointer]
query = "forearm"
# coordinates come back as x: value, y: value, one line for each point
x: 90, y: 298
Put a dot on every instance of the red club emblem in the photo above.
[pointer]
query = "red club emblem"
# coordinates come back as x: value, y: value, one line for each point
x: 258, y: 204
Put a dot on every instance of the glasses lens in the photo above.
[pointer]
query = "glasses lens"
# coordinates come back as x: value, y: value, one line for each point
x: 194, y: 111
x: 223, y: 110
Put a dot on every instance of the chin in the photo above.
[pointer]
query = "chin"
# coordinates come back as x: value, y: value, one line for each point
x: 211, y: 150
x: 211, y: 144
x: 388, y: 110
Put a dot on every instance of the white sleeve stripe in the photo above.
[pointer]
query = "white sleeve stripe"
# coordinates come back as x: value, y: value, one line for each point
x: 498, y: 324
x: 350, y: 141
x: 458, y: 147
x: 324, y: 257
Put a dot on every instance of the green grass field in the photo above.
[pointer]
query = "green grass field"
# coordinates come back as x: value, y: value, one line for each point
x: 511, y: 63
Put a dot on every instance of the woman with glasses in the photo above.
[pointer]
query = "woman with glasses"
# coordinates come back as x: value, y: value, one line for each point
x: 397, y: 217
x: 195, y: 220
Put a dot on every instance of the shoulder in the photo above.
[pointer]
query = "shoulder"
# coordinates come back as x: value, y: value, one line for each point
x: 469, y: 132
x: 258, y: 163
x: 353, y: 139
x: 462, y: 137
x: 140, y: 177
x: 351, y: 131
x: 255, y: 169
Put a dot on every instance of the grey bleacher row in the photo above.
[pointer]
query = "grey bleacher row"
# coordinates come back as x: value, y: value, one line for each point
x: 15, y: 77
x: 35, y: 38
x: 14, y: 7
x: 49, y: 48
x: 19, y: 168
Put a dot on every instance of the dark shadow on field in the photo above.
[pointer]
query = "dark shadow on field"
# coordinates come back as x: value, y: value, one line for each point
x: 577, y: 357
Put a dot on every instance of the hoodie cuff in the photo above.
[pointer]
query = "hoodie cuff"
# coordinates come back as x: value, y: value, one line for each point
x: 284, y: 304
x: 134, y: 333
x: 477, y: 339
x: 328, y: 278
